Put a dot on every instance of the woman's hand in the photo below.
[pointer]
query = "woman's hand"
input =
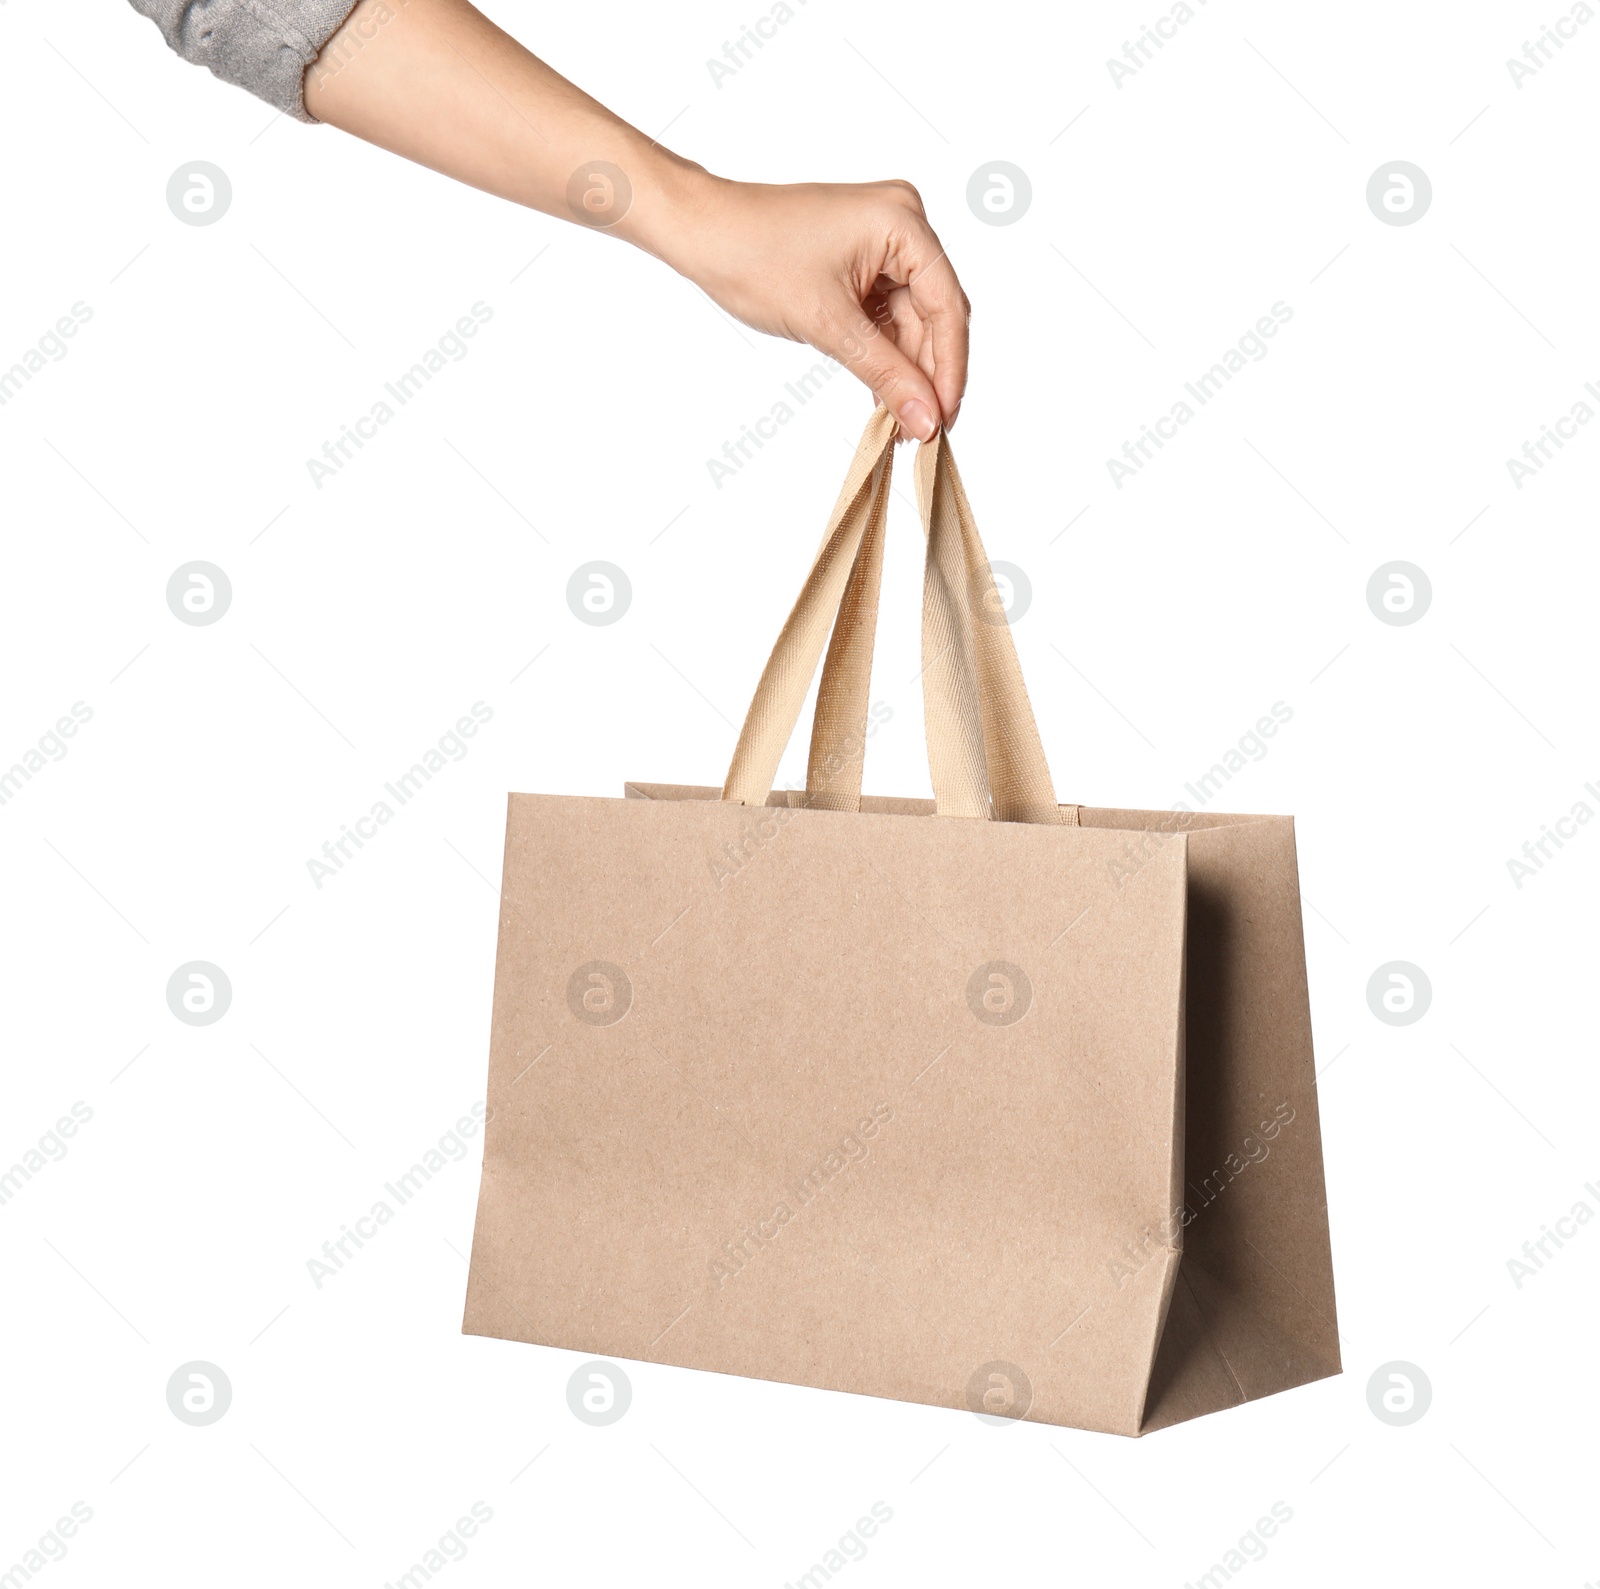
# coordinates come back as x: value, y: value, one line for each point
x: 855, y: 270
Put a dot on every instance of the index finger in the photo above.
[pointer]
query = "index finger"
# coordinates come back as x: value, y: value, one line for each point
x: 937, y: 296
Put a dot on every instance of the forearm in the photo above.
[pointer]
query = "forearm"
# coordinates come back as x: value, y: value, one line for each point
x: 437, y: 82
x: 853, y: 269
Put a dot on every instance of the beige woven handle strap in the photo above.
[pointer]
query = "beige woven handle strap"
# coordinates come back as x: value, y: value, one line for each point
x: 980, y: 727
x: 983, y: 741
x: 786, y: 679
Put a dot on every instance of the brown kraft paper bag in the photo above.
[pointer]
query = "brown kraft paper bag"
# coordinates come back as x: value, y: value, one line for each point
x: 984, y: 1102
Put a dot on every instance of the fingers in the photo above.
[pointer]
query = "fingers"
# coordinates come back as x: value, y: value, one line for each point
x: 907, y: 336
x: 909, y: 330
x: 937, y: 297
x: 916, y: 262
x: 869, y: 352
x: 857, y: 272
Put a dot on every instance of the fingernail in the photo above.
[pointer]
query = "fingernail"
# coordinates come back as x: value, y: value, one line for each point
x: 950, y: 423
x: 915, y: 417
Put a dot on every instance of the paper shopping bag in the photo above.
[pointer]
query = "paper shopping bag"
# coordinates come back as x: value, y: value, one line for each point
x: 984, y: 1102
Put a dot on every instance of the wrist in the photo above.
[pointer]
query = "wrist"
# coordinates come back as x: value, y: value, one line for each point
x: 673, y: 210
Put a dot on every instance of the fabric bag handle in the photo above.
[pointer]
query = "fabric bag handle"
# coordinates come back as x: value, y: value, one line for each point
x: 985, y: 756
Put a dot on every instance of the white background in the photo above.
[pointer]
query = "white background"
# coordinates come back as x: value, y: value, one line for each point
x: 1228, y: 174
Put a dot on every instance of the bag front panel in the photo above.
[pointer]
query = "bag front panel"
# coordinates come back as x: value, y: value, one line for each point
x: 865, y: 1102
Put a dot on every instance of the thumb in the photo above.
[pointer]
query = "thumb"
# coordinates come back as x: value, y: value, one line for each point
x: 861, y: 345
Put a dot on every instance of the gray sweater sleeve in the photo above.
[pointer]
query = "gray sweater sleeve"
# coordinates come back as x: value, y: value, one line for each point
x: 261, y: 45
